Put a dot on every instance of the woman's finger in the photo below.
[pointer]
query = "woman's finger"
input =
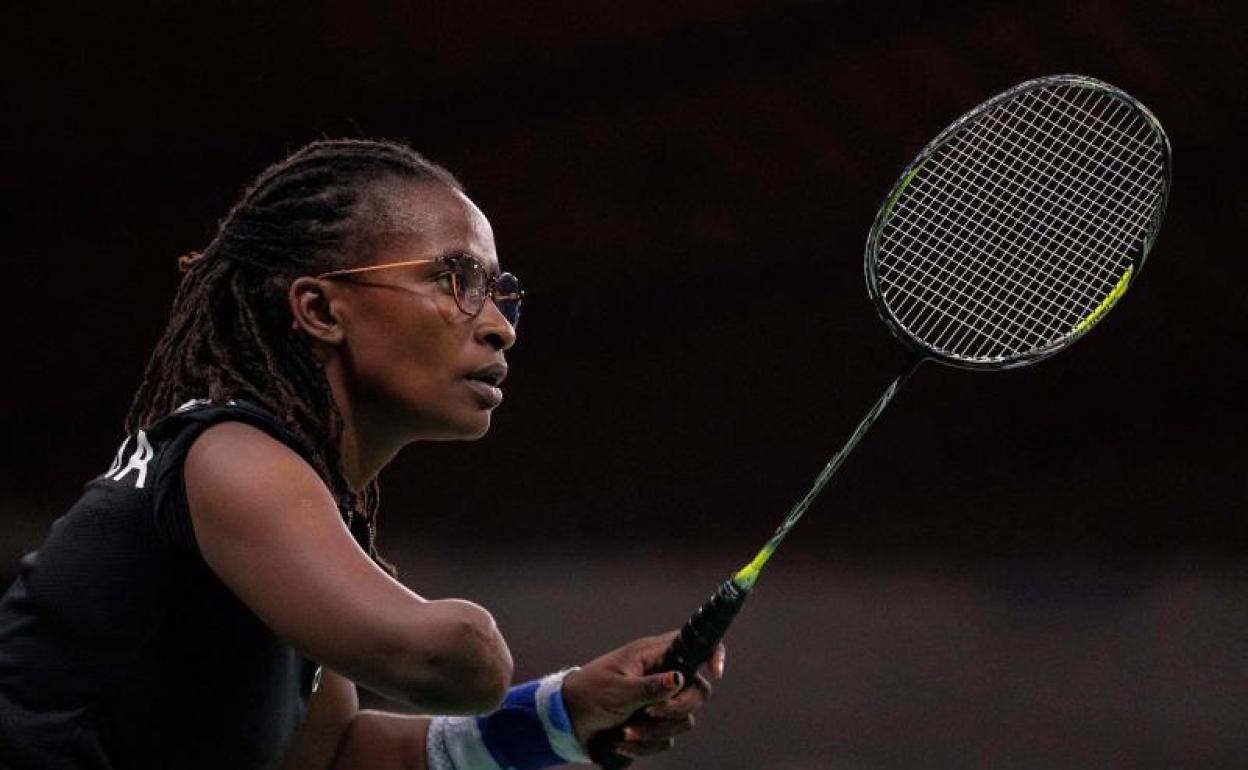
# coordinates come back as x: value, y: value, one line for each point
x: 657, y: 729
x: 686, y: 701
x: 718, y: 658
x: 644, y: 748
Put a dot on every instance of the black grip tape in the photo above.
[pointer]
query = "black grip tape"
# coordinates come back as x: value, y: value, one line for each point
x: 692, y: 647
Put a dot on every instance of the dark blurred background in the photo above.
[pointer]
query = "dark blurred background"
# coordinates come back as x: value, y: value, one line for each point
x: 1033, y: 569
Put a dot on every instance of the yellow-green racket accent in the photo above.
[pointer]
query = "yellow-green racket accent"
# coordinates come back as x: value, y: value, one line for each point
x: 747, y: 576
x: 1106, y: 304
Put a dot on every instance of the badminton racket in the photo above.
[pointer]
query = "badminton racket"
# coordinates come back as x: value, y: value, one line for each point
x: 1009, y: 237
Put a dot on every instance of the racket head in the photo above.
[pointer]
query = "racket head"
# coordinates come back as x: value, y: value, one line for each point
x: 1020, y: 225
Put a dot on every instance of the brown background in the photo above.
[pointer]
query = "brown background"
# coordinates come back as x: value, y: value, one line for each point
x: 1039, y: 568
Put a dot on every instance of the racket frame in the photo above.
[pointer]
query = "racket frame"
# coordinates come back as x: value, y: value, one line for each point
x: 953, y: 130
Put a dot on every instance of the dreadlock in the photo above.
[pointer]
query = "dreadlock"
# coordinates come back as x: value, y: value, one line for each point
x: 229, y: 333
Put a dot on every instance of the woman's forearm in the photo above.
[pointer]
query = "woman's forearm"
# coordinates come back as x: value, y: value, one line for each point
x: 382, y: 741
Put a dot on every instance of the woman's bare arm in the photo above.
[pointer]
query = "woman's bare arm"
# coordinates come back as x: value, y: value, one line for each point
x: 336, y: 734
x: 268, y: 527
x: 383, y: 741
x: 330, y: 711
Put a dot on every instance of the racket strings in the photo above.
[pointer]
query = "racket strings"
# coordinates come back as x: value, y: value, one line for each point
x: 1016, y: 230
x: 1089, y: 198
x: 1029, y: 161
x: 1095, y: 230
x: 980, y: 241
x: 1132, y: 194
x: 998, y: 285
x: 994, y: 280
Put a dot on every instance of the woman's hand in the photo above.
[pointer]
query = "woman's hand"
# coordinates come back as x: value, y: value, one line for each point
x: 615, y: 690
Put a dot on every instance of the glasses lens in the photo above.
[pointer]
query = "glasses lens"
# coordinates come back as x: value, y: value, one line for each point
x: 507, y: 295
x: 470, y: 284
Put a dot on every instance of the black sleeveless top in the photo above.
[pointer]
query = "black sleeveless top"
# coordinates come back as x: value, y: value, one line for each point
x: 119, y: 648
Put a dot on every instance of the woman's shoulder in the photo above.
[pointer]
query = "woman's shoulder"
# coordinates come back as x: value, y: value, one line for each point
x: 236, y: 464
x: 148, y: 472
x: 196, y: 416
x: 161, y: 446
x: 239, y: 424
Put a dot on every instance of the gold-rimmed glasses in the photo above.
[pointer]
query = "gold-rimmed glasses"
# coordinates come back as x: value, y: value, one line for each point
x: 471, y: 283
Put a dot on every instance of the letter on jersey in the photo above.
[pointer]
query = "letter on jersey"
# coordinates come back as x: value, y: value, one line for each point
x: 138, y: 461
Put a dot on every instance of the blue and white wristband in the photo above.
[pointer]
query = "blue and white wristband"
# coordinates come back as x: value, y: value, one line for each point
x: 531, y: 730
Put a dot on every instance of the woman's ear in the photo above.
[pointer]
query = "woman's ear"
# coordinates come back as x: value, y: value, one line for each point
x: 313, y: 312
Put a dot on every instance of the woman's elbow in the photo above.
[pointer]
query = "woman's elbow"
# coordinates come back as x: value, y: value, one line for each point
x: 467, y: 668
x: 482, y: 669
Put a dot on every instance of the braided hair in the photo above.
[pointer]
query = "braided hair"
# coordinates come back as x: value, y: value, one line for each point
x: 229, y: 334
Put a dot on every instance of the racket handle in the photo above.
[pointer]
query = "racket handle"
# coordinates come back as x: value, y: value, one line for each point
x: 692, y: 647
x: 698, y: 638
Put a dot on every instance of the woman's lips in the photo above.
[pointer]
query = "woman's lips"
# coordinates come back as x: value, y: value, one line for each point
x: 489, y: 396
x: 485, y: 381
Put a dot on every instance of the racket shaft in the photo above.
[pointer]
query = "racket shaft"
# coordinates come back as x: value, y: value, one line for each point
x: 747, y: 576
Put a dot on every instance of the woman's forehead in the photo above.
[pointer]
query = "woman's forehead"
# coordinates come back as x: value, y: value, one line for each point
x: 427, y: 217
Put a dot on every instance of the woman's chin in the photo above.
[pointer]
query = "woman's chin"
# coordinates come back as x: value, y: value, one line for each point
x: 460, y: 430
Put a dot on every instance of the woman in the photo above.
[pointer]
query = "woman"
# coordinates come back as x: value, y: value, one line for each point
x: 213, y: 598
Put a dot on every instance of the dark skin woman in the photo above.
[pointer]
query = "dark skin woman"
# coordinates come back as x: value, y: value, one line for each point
x: 351, y: 303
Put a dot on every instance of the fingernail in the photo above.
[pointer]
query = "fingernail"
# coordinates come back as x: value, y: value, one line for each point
x: 654, y: 711
x: 674, y: 680
x: 631, y: 734
x: 719, y: 669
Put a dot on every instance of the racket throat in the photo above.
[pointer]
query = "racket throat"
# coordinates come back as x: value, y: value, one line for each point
x: 747, y: 576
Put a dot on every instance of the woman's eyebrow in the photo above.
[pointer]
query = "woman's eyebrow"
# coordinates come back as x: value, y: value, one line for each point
x: 492, y: 267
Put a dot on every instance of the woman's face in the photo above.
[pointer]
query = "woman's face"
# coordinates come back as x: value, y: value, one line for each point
x: 412, y: 363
